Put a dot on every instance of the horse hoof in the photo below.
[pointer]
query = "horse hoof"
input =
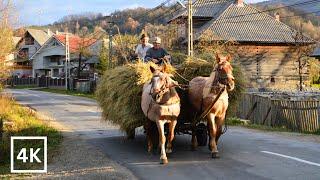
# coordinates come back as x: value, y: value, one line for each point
x: 168, y: 151
x: 163, y: 161
x: 215, y: 155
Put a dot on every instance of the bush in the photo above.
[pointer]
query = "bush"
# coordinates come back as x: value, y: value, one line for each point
x: 315, y: 71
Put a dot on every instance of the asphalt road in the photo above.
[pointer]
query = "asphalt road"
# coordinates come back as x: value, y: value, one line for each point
x: 245, y: 154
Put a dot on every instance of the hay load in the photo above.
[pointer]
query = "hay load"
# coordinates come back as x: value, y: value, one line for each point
x: 119, y: 91
x: 119, y: 94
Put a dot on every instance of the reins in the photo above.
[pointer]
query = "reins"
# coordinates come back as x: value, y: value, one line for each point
x: 208, y: 110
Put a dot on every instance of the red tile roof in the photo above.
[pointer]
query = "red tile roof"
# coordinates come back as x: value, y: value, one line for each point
x: 75, y: 42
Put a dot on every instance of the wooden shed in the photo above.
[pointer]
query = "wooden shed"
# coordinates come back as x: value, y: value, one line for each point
x: 266, y: 48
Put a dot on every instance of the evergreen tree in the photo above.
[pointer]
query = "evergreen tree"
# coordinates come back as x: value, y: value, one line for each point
x: 103, y: 60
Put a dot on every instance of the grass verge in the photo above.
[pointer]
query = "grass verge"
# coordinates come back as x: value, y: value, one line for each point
x: 316, y: 85
x: 23, y: 122
x: 244, y: 123
x: 72, y: 93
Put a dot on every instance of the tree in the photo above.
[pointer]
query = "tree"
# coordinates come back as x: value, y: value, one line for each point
x: 303, y: 52
x: 103, y: 60
x: 124, y: 47
x: 6, y: 40
x: 85, y: 40
x: 131, y: 24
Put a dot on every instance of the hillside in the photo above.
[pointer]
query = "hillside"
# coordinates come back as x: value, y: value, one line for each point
x: 298, y: 17
x: 308, y: 7
x: 132, y: 21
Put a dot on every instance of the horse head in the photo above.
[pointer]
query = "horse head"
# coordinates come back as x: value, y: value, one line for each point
x: 161, y: 82
x: 224, y: 71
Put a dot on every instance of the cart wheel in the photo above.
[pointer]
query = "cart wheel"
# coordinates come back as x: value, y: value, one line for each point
x: 131, y: 134
x: 202, y: 134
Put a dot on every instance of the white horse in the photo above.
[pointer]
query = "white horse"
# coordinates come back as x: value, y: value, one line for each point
x: 161, y: 104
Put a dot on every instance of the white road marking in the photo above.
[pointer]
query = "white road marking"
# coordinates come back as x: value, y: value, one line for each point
x: 293, y: 158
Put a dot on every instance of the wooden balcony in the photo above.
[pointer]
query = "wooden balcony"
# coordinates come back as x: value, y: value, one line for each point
x: 21, y: 67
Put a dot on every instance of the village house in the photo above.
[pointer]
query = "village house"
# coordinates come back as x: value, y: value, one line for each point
x: 50, y: 59
x: 26, y: 46
x: 266, y: 48
x: 316, y: 52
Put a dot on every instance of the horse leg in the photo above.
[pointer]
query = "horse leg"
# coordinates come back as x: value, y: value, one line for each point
x: 194, y: 142
x: 162, y: 142
x: 212, y: 135
x: 148, y: 128
x: 172, y: 126
x: 219, y: 122
x: 219, y: 133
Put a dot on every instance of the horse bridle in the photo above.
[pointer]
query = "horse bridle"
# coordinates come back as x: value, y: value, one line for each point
x: 220, y: 77
x: 163, y: 88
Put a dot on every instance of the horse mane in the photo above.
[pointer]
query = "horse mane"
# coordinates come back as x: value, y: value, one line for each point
x: 208, y: 85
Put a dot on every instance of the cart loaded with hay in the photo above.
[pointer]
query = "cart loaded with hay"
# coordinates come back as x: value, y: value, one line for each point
x: 120, y: 89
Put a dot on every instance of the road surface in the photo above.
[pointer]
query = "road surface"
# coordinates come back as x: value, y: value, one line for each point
x: 245, y: 154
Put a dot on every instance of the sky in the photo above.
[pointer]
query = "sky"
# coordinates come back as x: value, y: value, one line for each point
x: 41, y: 12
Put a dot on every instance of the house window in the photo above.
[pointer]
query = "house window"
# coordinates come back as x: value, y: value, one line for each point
x: 23, y: 53
x: 29, y: 40
x: 55, y: 43
x: 55, y: 59
x: 55, y: 73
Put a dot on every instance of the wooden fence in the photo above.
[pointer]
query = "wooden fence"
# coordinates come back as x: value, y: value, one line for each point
x: 82, y: 85
x: 296, y: 115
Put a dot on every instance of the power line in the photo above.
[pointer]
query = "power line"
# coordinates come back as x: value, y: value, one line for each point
x: 264, y: 11
x: 166, y: 13
x: 274, y: 9
x: 284, y: 17
x: 153, y: 9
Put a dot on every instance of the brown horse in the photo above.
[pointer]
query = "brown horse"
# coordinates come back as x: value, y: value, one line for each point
x: 209, y: 96
x: 161, y: 104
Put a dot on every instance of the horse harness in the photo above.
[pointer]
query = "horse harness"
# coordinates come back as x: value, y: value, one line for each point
x: 161, y: 93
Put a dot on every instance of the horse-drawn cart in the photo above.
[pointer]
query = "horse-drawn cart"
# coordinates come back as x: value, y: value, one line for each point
x: 120, y: 90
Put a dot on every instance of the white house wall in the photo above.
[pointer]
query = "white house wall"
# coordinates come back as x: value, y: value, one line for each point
x: 40, y: 62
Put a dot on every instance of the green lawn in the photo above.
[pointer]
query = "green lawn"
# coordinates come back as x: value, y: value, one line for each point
x: 24, y: 123
x: 72, y: 93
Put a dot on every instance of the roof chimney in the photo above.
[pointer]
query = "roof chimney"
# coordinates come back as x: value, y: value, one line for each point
x: 49, y: 32
x: 239, y: 3
x: 57, y: 32
x: 277, y: 16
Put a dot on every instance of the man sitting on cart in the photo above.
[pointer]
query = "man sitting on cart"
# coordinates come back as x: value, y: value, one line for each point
x: 157, y: 54
x: 143, y: 47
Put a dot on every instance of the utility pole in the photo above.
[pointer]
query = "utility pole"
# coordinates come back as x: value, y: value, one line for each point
x: 110, y: 46
x: 67, y: 60
x: 190, y: 29
x: 111, y: 23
